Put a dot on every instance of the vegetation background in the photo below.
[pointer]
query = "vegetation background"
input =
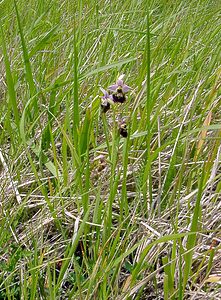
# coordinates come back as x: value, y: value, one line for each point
x: 84, y: 212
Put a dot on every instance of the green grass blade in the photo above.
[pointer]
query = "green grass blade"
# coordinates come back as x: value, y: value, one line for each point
x: 10, y: 81
x: 27, y: 64
x: 44, y: 40
x: 191, y: 240
x: 76, y: 116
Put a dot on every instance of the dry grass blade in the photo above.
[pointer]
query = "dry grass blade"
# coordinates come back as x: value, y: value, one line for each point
x: 6, y: 175
x: 203, y: 135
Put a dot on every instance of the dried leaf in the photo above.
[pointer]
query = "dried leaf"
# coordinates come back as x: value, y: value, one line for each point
x: 203, y: 134
x: 214, y: 278
x: 126, y: 283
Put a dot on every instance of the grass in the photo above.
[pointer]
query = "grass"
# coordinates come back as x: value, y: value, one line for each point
x: 84, y: 212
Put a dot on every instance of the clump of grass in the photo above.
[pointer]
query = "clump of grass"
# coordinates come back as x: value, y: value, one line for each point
x: 119, y: 201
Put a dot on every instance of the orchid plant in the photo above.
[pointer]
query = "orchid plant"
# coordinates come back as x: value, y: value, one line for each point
x: 116, y: 94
